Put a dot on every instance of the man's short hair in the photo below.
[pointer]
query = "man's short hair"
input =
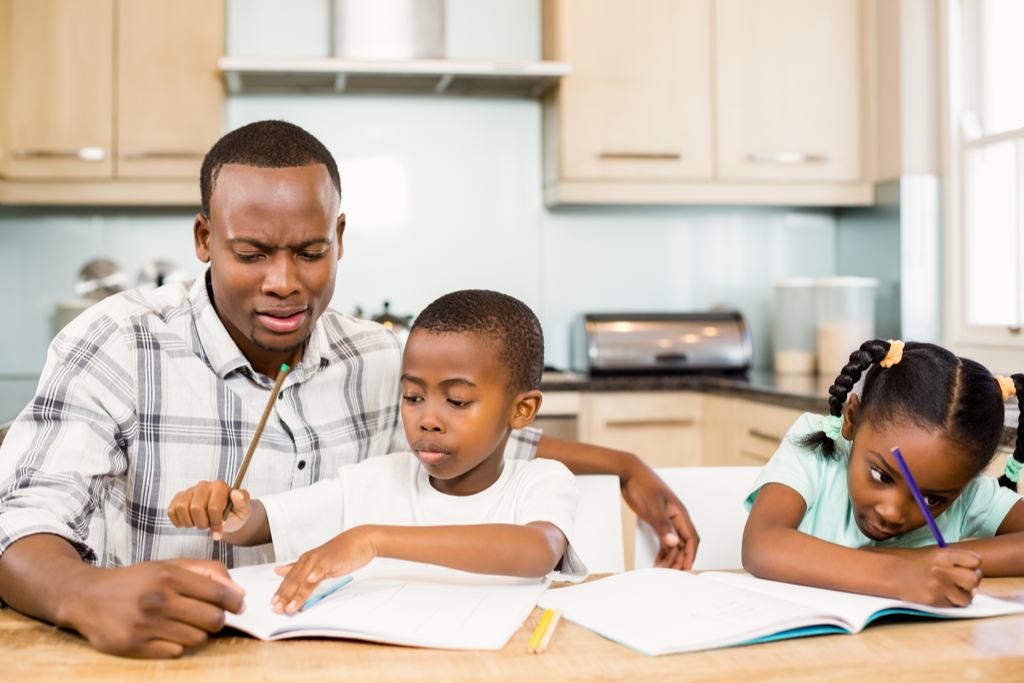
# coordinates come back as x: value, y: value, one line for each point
x: 264, y: 144
x: 503, y: 318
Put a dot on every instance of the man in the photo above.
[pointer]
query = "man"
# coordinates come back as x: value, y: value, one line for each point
x: 148, y: 393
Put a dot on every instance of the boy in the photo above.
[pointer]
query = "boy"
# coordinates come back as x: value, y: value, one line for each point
x: 470, y: 375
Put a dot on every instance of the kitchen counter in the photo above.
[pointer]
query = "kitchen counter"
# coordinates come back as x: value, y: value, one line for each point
x: 807, y: 393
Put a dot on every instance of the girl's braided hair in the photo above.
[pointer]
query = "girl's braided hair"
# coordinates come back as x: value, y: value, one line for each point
x: 930, y: 388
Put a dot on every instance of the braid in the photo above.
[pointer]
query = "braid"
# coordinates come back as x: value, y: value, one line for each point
x: 870, y: 352
x: 1018, y: 450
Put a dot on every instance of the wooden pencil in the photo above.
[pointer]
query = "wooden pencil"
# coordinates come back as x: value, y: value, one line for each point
x: 282, y: 373
x: 548, y: 632
x: 539, y: 633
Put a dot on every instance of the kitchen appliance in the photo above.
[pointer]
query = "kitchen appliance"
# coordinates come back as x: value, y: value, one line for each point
x: 650, y: 343
x: 389, y: 30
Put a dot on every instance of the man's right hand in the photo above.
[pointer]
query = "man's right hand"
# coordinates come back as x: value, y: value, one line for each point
x: 154, y: 609
x: 202, y: 507
x: 151, y: 609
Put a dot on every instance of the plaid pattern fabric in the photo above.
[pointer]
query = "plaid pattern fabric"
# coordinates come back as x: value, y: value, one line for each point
x: 146, y: 394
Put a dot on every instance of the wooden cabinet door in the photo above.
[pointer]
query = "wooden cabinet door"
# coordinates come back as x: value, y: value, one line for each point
x: 762, y: 429
x: 638, y: 103
x: 169, y: 89
x: 59, y: 109
x: 789, y: 89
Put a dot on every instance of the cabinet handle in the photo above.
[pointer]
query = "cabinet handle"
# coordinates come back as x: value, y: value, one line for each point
x: 757, y: 434
x: 140, y: 154
x: 664, y: 422
x: 664, y: 156
x: 789, y: 158
x: 85, y: 154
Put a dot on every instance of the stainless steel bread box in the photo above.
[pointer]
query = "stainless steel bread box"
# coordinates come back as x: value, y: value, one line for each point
x: 624, y: 343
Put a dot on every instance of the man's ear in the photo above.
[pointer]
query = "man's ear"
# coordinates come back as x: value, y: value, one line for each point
x: 201, y: 232
x: 850, y: 413
x: 341, y: 232
x: 526, y: 407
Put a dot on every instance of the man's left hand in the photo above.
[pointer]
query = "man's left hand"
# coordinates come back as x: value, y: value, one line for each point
x: 653, y: 501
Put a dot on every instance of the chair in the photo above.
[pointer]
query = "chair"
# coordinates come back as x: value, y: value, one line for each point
x: 598, y: 530
x: 714, y: 498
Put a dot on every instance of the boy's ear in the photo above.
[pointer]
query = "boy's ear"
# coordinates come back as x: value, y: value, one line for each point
x: 526, y: 407
x: 850, y: 413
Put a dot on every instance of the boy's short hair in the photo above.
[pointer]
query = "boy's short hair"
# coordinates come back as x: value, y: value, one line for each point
x: 499, y: 316
x: 264, y: 144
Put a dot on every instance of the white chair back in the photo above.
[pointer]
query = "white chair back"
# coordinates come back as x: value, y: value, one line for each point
x: 714, y: 498
x: 598, y: 532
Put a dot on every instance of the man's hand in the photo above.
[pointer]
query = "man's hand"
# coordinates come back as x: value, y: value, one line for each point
x: 154, y: 609
x: 643, y: 490
x: 653, y: 501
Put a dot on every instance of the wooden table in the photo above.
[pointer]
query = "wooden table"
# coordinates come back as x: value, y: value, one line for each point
x: 926, y: 651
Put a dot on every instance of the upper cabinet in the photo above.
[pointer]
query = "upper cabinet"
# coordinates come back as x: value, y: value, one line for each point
x: 61, y: 85
x: 707, y: 102
x: 107, y: 102
x: 638, y: 104
x: 788, y: 89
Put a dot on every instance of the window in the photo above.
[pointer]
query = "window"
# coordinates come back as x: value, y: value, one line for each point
x: 987, y: 136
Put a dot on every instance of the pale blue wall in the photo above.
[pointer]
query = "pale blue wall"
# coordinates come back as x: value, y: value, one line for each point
x: 441, y: 193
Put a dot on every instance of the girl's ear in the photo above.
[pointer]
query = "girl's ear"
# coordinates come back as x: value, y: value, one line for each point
x: 850, y: 413
x: 526, y: 407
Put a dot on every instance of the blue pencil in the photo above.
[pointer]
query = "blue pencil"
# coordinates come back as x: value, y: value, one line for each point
x: 317, y: 597
x: 919, y: 498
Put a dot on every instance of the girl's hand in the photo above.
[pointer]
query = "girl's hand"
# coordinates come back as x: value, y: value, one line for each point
x: 941, y: 577
x: 342, y: 555
x: 202, y: 507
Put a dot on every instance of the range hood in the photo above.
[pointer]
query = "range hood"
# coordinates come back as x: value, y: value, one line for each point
x: 525, y: 79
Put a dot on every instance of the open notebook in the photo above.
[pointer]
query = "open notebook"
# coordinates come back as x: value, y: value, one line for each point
x: 403, y: 603
x: 662, y: 611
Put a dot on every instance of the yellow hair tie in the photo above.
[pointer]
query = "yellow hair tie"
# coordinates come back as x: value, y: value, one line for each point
x: 895, y: 354
x: 1006, y: 386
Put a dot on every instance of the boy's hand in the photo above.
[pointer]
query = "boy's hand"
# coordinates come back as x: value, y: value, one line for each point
x: 202, y: 507
x: 655, y: 503
x: 341, y: 555
x: 941, y: 577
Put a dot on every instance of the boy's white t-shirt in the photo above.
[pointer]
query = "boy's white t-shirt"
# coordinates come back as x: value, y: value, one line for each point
x: 395, y: 489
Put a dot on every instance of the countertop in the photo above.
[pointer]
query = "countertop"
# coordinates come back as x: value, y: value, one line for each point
x: 802, y: 393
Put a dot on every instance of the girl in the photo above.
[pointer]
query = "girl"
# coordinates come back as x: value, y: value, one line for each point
x: 831, y: 509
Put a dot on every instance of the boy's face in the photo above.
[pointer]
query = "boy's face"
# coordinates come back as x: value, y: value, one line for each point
x: 457, y: 409
x: 882, y: 504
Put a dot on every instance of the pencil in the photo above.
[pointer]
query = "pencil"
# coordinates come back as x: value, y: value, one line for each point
x: 539, y: 633
x: 919, y: 498
x: 282, y: 373
x: 317, y: 597
x: 548, y: 632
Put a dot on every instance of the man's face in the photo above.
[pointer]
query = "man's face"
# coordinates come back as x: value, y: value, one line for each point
x: 273, y: 241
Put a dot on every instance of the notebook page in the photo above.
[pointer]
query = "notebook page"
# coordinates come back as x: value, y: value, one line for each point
x: 661, y: 611
x: 858, y: 610
x: 404, y: 603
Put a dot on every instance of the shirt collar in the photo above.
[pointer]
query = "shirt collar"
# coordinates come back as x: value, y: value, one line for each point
x: 224, y: 356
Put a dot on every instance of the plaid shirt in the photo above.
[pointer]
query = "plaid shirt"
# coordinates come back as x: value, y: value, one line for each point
x: 146, y: 394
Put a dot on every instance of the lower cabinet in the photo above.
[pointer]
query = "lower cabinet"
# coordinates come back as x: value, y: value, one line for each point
x: 674, y: 429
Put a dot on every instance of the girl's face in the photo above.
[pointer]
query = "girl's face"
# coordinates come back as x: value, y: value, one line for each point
x: 883, y: 506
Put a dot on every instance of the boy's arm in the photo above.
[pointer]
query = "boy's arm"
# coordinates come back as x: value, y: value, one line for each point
x: 202, y: 507
x: 643, y: 490
x: 774, y: 549
x: 530, y: 550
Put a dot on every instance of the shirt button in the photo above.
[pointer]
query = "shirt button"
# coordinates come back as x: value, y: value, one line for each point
x: 280, y: 396
x: 302, y: 464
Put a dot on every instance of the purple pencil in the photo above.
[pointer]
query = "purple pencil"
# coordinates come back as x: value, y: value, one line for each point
x: 919, y: 498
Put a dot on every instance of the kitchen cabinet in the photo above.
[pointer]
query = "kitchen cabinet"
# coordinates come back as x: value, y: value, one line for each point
x: 58, y: 89
x: 105, y: 102
x: 788, y: 89
x: 638, y: 103
x: 708, y: 102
